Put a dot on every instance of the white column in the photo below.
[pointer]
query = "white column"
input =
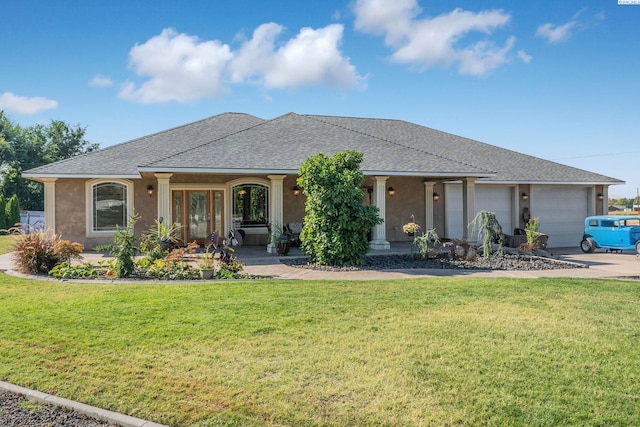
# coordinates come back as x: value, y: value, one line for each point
x: 428, y: 204
x: 380, y: 200
x: 164, y: 196
x: 49, y: 203
x: 605, y: 200
x: 468, y: 207
x: 276, y: 205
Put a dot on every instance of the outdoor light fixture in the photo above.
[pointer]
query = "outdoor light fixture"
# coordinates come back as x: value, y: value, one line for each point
x: 525, y: 196
x: 600, y: 196
x: 242, y: 192
x: 296, y: 191
x: 150, y: 190
x: 391, y: 191
x: 436, y: 197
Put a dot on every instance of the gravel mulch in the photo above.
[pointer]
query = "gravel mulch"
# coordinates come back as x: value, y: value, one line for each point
x: 17, y: 411
x: 516, y: 262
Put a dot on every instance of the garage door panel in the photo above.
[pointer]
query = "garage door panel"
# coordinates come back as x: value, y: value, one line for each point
x: 494, y: 199
x: 561, y: 210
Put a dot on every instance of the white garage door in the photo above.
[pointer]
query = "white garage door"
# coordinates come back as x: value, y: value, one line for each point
x: 488, y: 198
x: 561, y: 210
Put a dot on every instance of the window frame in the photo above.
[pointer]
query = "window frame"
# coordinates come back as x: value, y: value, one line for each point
x: 267, y: 201
x: 90, y: 202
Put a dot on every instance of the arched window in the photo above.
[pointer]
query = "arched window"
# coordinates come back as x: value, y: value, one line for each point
x: 250, y: 205
x: 109, y: 205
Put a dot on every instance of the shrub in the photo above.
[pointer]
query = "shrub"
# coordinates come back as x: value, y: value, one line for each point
x: 37, y: 253
x: 337, y: 221
x: 124, y: 248
x: 172, y: 270
x: 12, y: 211
x: 489, y: 231
x: 157, y: 241
x: 80, y: 271
x: 423, y: 243
x: 3, y: 214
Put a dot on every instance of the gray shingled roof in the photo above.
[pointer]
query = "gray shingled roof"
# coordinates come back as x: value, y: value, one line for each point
x: 124, y: 159
x: 242, y: 143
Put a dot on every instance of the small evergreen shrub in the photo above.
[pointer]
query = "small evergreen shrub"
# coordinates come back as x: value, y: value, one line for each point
x: 12, y: 211
x: 3, y: 213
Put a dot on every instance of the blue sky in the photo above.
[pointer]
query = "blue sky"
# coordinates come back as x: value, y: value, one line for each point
x: 555, y: 79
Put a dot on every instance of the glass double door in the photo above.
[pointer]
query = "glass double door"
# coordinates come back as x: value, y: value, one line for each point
x: 198, y: 213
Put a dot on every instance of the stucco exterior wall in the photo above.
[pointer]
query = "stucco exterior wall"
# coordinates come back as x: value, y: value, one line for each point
x: 71, y: 210
x: 409, y: 199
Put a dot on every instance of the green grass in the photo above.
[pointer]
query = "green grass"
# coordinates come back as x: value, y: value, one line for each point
x: 6, y: 243
x: 450, y: 351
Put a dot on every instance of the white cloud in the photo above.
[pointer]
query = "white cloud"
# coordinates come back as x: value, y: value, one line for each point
x: 524, y: 57
x: 556, y: 34
x: 180, y: 68
x: 100, y: 81
x: 426, y: 43
x: 25, y: 106
x: 310, y: 58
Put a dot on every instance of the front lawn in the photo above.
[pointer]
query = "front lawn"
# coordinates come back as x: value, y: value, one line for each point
x: 446, y: 351
x: 6, y: 243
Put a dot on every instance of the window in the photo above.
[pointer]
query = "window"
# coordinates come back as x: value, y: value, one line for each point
x: 109, y: 206
x: 250, y: 205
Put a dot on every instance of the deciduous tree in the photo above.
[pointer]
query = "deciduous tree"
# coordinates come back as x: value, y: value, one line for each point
x: 26, y: 148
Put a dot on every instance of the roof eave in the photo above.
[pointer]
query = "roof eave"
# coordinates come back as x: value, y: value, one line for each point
x: 39, y: 176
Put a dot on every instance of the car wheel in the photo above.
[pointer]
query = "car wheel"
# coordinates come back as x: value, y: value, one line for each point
x: 638, y: 247
x: 588, y: 245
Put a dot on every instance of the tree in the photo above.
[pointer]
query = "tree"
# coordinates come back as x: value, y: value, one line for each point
x: 3, y: 215
x: 12, y: 211
x: 336, y: 221
x: 26, y: 148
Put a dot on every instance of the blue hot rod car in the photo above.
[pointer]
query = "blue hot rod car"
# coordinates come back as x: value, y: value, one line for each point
x: 614, y: 233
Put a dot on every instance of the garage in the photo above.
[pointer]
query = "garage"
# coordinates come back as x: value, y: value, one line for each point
x: 561, y: 210
x: 488, y: 198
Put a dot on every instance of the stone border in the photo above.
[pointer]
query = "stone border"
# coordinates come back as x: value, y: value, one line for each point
x: 88, y: 410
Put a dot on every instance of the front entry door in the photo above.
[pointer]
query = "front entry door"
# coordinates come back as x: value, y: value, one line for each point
x: 192, y: 210
x: 199, y: 216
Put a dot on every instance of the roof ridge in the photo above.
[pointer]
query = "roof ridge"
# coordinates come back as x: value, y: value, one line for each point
x: 394, y: 142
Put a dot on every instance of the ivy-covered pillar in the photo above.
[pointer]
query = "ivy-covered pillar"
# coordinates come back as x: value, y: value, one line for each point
x: 380, y: 201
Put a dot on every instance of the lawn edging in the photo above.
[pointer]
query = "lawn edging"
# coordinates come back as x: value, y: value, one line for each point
x: 111, y: 417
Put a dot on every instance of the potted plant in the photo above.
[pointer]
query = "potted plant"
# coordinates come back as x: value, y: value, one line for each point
x: 281, y: 239
x: 207, y: 265
x: 411, y: 228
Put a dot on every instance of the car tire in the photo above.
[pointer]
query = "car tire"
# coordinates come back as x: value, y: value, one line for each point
x: 588, y: 245
x: 638, y: 247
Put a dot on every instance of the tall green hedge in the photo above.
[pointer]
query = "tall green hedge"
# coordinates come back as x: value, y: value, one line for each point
x: 3, y: 214
x: 12, y: 211
x: 336, y: 221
